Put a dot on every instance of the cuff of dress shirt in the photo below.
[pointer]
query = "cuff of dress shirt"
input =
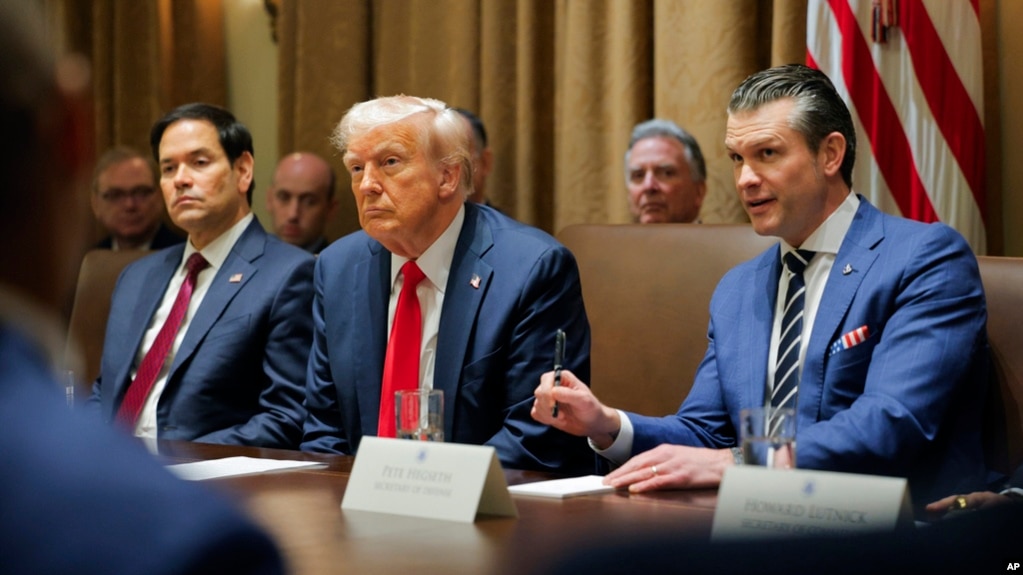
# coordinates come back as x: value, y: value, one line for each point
x: 1013, y: 492
x: 619, y: 451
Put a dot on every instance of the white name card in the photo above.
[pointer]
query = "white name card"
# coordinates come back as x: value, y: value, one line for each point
x: 448, y: 481
x: 758, y: 502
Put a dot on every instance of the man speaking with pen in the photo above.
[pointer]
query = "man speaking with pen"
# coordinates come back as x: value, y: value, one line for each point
x: 874, y: 331
x: 487, y: 295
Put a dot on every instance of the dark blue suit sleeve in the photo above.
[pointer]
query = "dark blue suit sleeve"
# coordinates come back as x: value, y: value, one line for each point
x: 550, y: 299
x: 324, y: 430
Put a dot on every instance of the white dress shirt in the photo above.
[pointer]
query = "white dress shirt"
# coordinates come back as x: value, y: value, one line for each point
x: 435, y: 263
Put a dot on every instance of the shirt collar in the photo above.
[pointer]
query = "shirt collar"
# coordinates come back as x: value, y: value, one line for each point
x: 827, y: 238
x: 216, y: 252
x: 436, y: 260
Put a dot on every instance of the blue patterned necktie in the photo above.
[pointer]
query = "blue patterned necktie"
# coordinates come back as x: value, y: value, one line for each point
x: 786, y: 373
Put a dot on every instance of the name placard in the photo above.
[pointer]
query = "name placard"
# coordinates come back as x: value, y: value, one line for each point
x: 758, y: 502
x: 448, y: 481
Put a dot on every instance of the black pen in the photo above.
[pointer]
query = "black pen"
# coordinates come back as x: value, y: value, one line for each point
x: 559, y: 357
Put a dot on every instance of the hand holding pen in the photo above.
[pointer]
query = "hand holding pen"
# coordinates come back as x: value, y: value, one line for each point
x: 559, y: 358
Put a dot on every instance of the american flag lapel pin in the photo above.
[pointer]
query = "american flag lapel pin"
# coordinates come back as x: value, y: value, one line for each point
x: 235, y: 278
x: 475, y: 281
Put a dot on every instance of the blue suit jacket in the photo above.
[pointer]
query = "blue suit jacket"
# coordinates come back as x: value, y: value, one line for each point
x: 494, y: 341
x: 238, y: 375
x: 80, y: 498
x: 906, y: 402
x: 164, y: 238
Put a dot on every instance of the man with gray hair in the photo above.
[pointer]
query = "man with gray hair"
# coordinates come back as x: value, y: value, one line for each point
x: 664, y: 173
x: 437, y: 292
x: 872, y: 330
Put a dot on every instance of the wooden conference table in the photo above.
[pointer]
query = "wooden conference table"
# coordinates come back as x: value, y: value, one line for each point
x: 302, y: 509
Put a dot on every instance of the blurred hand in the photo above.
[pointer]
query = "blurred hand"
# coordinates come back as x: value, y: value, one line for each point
x: 972, y: 501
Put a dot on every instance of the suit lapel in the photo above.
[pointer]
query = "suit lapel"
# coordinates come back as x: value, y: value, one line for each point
x: 238, y: 266
x: 858, y: 252
x: 371, y: 311
x: 758, y: 334
x: 462, y: 299
x: 143, y: 303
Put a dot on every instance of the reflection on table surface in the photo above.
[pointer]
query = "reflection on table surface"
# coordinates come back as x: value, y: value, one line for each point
x: 302, y: 509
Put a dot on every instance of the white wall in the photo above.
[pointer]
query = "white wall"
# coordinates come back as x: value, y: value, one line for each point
x: 252, y: 87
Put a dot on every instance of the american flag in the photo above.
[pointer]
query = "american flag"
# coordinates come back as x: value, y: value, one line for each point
x: 910, y: 71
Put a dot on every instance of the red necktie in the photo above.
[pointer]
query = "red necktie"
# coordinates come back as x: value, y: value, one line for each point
x: 145, y: 377
x: 401, y: 367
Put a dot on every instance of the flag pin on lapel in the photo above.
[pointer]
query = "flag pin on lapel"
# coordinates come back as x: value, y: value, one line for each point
x: 848, y: 269
x: 235, y: 278
x: 475, y: 281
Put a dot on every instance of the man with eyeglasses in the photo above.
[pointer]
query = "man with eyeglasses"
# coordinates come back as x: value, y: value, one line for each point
x: 125, y: 202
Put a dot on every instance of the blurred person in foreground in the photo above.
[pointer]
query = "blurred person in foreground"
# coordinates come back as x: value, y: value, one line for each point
x: 665, y: 174
x: 78, y: 497
x: 301, y: 200
x: 884, y: 357
x: 486, y: 295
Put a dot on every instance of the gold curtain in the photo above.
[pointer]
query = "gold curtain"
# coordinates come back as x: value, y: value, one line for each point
x: 558, y: 83
x: 147, y: 57
x: 323, y: 69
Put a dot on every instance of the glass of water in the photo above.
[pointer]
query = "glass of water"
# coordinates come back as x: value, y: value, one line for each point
x: 420, y: 414
x: 69, y: 388
x: 768, y: 436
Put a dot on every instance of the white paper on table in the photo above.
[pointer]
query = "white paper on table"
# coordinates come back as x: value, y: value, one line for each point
x: 561, y: 488
x: 235, y: 466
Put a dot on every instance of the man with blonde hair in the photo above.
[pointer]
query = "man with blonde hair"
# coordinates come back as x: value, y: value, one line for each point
x: 488, y: 295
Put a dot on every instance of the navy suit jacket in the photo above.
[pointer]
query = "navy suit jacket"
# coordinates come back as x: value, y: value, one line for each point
x: 80, y: 498
x: 510, y: 288
x: 164, y: 238
x: 238, y: 375
x: 906, y: 402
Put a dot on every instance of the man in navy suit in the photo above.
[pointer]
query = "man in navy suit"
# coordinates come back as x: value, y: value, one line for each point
x: 235, y: 371
x: 495, y: 293
x: 893, y: 347
x: 77, y: 497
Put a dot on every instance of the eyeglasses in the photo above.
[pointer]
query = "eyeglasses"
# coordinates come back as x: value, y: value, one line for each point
x: 117, y: 195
